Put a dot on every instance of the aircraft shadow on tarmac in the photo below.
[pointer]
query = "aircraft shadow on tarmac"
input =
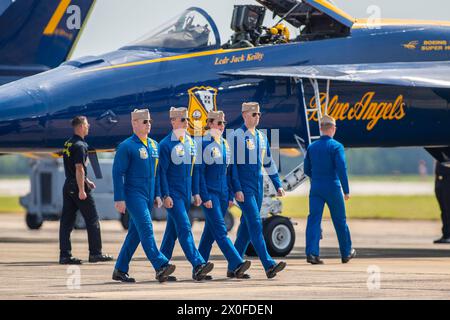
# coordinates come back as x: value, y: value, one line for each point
x: 183, y: 280
x: 30, y: 264
x: 297, y: 253
x: 362, y: 253
x: 27, y: 240
x: 377, y: 253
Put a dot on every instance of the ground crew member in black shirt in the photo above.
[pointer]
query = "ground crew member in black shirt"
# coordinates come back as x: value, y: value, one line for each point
x: 442, y: 189
x: 77, y: 196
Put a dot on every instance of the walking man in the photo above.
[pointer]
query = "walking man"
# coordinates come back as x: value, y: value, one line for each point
x: 179, y: 179
x: 77, y: 196
x: 216, y: 193
x: 325, y: 165
x: 442, y: 190
x: 251, y: 154
x: 136, y: 189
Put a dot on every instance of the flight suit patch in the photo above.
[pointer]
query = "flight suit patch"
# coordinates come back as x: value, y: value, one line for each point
x: 143, y: 153
x: 215, y: 152
x: 250, y: 144
x: 179, y: 149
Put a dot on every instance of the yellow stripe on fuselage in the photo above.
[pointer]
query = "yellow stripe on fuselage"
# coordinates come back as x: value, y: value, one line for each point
x: 56, y: 18
x: 165, y: 59
x: 364, y: 23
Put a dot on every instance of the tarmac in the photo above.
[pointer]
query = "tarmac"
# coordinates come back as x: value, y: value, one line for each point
x: 396, y: 260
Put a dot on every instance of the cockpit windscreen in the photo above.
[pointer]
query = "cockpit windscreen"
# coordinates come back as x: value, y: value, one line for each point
x: 192, y: 30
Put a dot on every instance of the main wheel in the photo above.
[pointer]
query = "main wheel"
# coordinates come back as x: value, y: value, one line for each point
x: 229, y: 221
x: 279, y: 235
x: 124, y: 220
x: 250, y: 251
x: 33, y: 221
x: 80, y: 224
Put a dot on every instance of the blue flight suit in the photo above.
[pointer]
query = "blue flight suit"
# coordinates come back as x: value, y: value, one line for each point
x: 179, y: 176
x: 325, y: 165
x: 215, y: 186
x: 136, y: 181
x: 251, y: 152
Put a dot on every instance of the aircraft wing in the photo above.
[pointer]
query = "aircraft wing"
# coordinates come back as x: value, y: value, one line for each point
x: 435, y: 74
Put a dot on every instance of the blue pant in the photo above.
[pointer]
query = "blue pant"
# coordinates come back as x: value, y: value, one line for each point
x: 140, y: 230
x: 179, y: 226
x: 331, y: 194
x: 251, y: 229
x: 215, y: 229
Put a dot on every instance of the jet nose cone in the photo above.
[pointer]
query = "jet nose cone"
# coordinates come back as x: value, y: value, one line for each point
x: 22, y: 116
x: 13, y: 103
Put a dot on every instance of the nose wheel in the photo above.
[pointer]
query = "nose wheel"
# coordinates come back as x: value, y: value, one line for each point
x: 279, y: 235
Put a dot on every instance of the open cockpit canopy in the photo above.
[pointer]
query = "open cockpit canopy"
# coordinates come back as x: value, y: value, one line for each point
x: 192, y: 30
x: 310, y: 19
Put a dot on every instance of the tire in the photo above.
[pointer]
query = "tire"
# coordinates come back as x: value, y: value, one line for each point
x: 80, y: 224
x: 229, y: 221
x: 279, y: 235
x: 250, y: 251
x: 33, y: 221
x: 124, y: 220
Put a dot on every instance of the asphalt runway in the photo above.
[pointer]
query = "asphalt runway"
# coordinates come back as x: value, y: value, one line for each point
x: 396, y: 260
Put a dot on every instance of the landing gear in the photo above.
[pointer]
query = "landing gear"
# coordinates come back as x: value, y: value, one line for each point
x: 229, y: 221
x: 124, y: 220
x: 279, y: 235
x: 34, y: 221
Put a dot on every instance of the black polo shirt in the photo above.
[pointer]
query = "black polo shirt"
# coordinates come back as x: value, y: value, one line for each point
x: 75, y: 152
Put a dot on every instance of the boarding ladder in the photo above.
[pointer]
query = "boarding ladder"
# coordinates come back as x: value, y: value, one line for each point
x: 295, y: 178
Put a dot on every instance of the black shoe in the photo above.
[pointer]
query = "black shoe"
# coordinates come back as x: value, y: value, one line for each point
x: 351, y: 256
x: 202, y: 270
x: 171, y: 279
x: 100, y: 258
x: 163, y: 273
x: 272, y: 272
x: 442, y: 240
x: 122, y: 276
x: 69, y: 260
x: 313, y: 259
x: 230, y: 274
x: 206, y: 278
x: 239, y: 272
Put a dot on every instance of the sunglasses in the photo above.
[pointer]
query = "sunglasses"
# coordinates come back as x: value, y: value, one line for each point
x: 256, y: 114
x: 147, y: 121
x: 183, y: 119
x: 221, y: 123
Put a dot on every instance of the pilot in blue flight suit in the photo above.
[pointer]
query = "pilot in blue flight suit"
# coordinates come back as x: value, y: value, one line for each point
x: 216, y: 194
x: 136, y: 188
x: 179, y: 179
x: 325, y: 165
x: 251, y: 151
